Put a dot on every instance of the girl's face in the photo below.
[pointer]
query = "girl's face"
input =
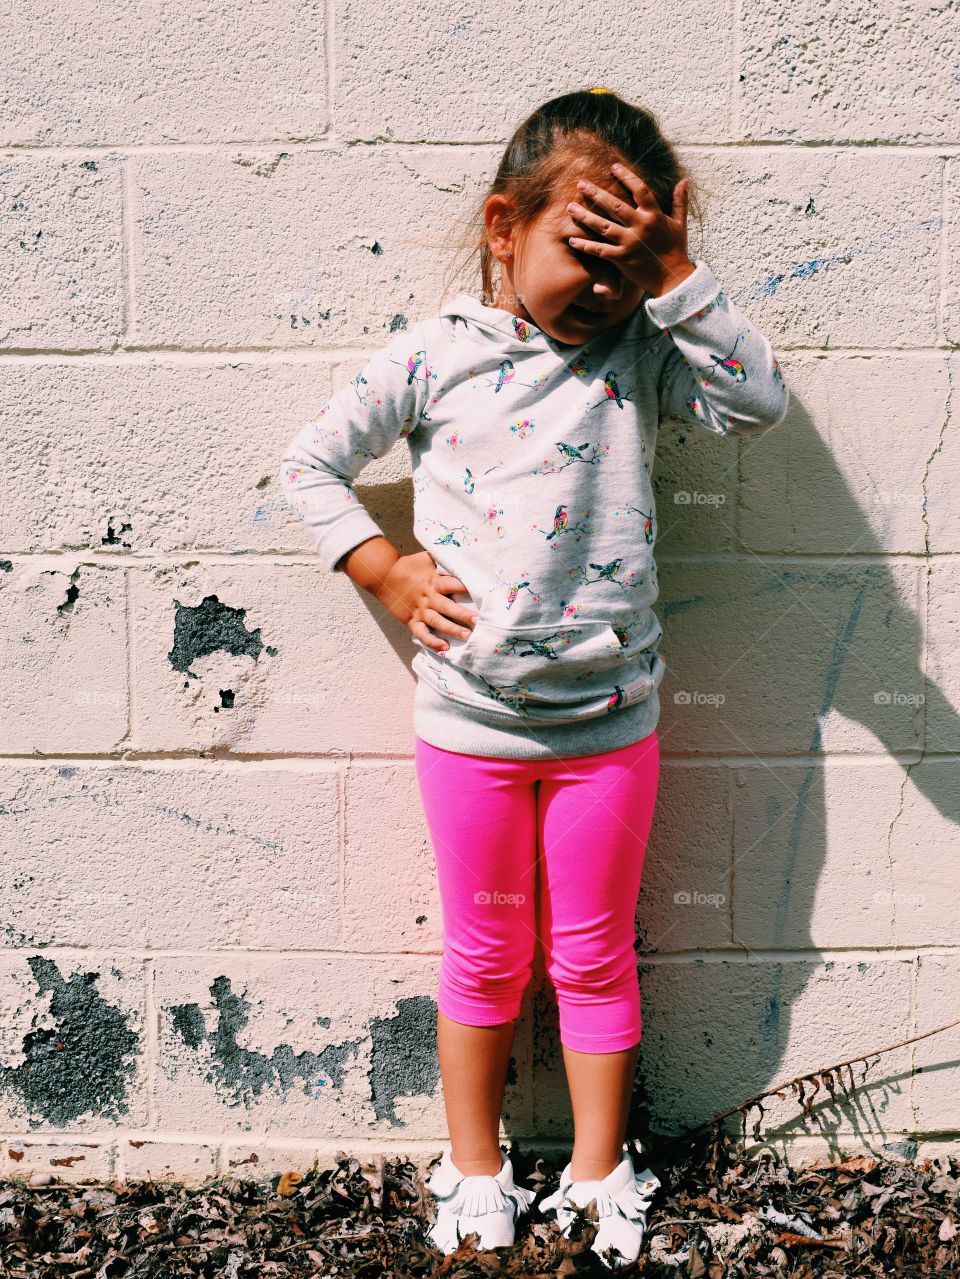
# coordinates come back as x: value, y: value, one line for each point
x: 569, y: 293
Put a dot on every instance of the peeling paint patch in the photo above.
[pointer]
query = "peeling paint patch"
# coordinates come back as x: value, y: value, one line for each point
x: 73, y: 593
x: 210, y: 627
x: 115, y: 538
x: 6, y: 566
x: 239, y: 1074
x: 80, y: 1065
x: 404, y: 1060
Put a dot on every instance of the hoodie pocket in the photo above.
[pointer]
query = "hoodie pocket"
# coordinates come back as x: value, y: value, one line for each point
x: 565, y: 664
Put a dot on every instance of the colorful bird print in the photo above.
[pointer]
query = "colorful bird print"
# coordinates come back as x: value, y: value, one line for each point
x: 612, y: 389
x: 522, y: 329
x: 572, y: 451
x: 647, y: 527
x: 506, y: 373
x: 733, y: 367
x: 729, y: 364
x: 608, y: 571
x: 560, y: 521
x: 616, y: 697
x: 413, y: 364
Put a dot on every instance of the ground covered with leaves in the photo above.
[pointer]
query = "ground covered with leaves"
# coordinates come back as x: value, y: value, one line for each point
x: 716, y: 1214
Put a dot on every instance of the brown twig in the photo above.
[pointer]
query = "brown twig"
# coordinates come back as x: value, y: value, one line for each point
x: 825, y: 1075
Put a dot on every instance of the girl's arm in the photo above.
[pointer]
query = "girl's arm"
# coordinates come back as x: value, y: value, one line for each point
x: 363, y: 420
x: 721, y: 373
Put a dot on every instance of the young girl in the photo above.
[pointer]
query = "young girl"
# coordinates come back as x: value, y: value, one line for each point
x: 531, y: 417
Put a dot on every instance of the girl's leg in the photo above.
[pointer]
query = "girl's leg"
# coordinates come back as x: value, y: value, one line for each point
x: 594, y: 819
x: 481, y: 813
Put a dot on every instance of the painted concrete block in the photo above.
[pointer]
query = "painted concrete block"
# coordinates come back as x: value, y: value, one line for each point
x: 943, y: 515
x: 937, y: 1077
x: 343, y: 264
x: 265, y: 1161
x: 64, y: 1160
x: 942, y: 686
x: 839, y: 854
x: 82, y: 72
x: 790, y: 657
x: 695, y: 486
x: 65, y: 655
x: 951, y: 282
x: 173, y: 854
x: 717, y: 1033
x: 832, y: 477
x: 447, y: 81
x: 274, y: 660
x: 123, y: 457
x: 811, y: 243
x: 61, y: 226
x: 297, y: 1046
x: 141, y: 1159
x: 839, y: 73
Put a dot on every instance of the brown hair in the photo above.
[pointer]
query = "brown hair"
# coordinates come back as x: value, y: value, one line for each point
x: 576, y: 134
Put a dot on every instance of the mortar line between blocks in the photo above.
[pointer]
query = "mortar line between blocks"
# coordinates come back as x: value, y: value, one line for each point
x: 736, y: 125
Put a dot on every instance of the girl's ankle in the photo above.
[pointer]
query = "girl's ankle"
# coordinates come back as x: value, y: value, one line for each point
x: 484, y: 1166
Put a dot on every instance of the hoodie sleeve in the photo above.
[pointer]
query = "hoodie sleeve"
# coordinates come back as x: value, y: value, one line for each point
x: 363, y: 420
x: 721, y: 372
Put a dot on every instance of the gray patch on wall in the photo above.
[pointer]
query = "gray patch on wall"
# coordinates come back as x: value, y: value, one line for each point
x: 240, y: 1074
x: 82, y: 1064
x: 404, y: 1060
x: 210, y: 627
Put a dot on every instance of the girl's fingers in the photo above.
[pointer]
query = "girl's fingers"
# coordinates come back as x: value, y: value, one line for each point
x: 619, y: 208
x: 641, y: 193
x: 602, y: 225
x: 423, y: 633
x: 445, y: 625
x: 600, y: 247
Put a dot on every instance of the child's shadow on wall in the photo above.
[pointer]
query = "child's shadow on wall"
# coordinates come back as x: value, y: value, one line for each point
x: 789, y: 663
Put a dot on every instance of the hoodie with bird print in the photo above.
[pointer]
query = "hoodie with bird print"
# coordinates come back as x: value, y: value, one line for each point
x: 531, y: 463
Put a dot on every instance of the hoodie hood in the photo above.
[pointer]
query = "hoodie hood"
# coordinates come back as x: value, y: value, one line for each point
x: 511, y: 332
x: 508, y: 329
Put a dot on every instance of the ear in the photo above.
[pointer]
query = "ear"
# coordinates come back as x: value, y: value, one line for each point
x: 496, y: 221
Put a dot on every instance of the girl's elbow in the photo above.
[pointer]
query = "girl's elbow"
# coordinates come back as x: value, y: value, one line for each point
x: 764, y: 419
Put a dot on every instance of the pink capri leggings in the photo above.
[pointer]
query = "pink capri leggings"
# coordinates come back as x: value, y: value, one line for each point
x: 585, y: 821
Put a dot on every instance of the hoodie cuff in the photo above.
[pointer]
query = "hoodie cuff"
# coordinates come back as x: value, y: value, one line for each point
x: 347, y: 534
x: 689, y: 296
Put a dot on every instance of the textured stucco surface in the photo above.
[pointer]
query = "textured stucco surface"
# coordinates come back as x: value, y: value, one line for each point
x: 220, y: 924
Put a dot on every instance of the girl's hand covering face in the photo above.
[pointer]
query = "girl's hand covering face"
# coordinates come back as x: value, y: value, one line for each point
x: 644, y: 243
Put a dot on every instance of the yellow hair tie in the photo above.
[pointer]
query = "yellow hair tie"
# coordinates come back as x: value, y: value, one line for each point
x: 600, y: 89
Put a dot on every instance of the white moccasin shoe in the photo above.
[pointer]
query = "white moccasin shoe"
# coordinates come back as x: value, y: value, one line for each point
x: 485, y: 1204
x: 623, y: 1200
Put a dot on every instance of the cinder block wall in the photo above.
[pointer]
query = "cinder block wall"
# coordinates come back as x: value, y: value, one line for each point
x: 220, y: 925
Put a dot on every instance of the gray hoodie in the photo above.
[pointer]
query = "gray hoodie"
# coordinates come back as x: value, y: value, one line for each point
x: 531, y: 475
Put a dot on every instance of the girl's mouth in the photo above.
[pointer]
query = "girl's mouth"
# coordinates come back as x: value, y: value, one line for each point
x: 584, y: 315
